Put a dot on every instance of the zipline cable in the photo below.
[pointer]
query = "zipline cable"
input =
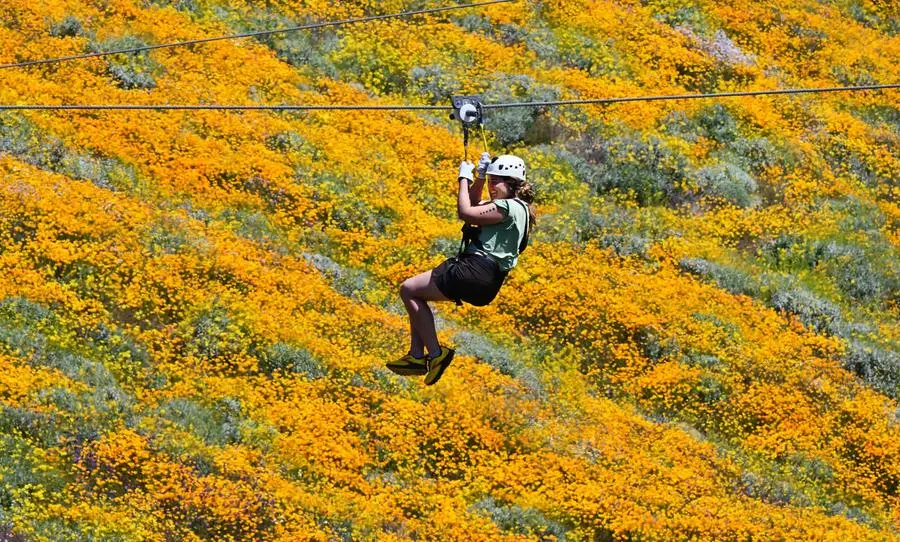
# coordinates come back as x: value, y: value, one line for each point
x: 690, y: 96
x: 215, y: 107
x: 250, y: 34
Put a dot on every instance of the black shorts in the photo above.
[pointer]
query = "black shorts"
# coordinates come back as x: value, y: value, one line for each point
x: 472, y: 278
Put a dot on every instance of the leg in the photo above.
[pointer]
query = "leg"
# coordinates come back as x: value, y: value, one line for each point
x: 415, y: 292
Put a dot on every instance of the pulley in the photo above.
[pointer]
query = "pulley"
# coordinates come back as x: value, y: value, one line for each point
x: 468, y: 111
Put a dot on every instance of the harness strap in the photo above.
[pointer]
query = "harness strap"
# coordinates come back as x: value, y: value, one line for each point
x: 524, y: 243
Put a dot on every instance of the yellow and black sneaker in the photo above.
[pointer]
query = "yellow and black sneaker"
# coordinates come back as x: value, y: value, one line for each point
x: 437, y: 365
x: 409, y: 366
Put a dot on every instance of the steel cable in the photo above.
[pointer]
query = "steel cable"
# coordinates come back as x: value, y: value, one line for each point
x: 309, y: 107
x: 248, y: 34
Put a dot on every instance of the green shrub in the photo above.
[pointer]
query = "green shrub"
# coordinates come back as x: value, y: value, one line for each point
x: 515, y: 125
x: 852, y: 513
x: 192, y: 7
x: 523, y: 521
x: 710, y: 390
x: 626, y: 244
x: 288, y: 358
x: 498, y: 357
x: 648, y: 170
x: 170, y: 235
x: 858, y: 215
x: 863, y: 275
x: 843, y: 159
x: 445, y: 246
x: 256, y: 226
x: 291, y: 142
x: 819, y: 314
x: 854, y: 273
x: 733, y: 280
x: 730, y: 183
x: 757, y: 154
x: 130, y: 70
x: 309, y: 49
x: 435, y: 82
x: 771, y: 491
x: 38, y: 427
x: 878, y: 367
x: 46, y: 151
x: 347, y: 281
x: 215, y: 332
x: 217, y: 424
x: 19, y: 471
x: 810, y: 468
x: 717, y: 123
x: 70, y: 26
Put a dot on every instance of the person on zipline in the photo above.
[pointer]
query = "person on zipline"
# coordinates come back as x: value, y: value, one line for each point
x: 494, y: 233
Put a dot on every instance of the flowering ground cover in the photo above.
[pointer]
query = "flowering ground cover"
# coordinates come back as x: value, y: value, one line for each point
x: 196, y: 307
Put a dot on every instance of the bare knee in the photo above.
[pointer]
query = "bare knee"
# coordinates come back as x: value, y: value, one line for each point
x: 406, y: 290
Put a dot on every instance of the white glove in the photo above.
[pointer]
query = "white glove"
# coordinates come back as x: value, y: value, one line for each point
x: 484, y: 163
x: 465, y: 170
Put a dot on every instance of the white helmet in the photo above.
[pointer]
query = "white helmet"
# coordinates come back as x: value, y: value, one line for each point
x: 507, y: 165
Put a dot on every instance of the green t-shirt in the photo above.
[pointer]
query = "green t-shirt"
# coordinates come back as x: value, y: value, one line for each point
x: 501, y: 240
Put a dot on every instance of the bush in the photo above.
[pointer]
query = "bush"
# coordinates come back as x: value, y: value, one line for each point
x: 292, y: 359
x: 853, y: 272
x: 714, y: 122
x: 290, y: 142
x: 348, y: 282
x: 842, y: 159
x: 70, y: 26
x: 819, y: 314
x: 435, y: 82
x: 717, y: 123
x: 710, y: 391
x: 518, y: 520
x: 626, y: 244
x: 858, y: 215
x: 735, y: 281
x: 811, y: 468
x: 497, y: 357
x: 516, y: 124
x: 21, y: 139
x: 218, y: 424
x: 309, y: 49
x: 170, y: 235
x: 354, y: 214
x: 730, y: 183
x: 217, y: 333
x: 444, y: 246
x: 130, y: 70
x: 877, y: 367
x: 256, y: 226
x: 875, y: 114
x: 19, y: 471
x: 648, y: 170
x: 858, y: 273
x: 771, y: 491
x: 853, y: 513
x: 188, y: 6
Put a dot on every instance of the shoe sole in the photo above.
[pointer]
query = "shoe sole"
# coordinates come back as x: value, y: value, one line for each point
x: 408, y: 370
x: 441, y: 369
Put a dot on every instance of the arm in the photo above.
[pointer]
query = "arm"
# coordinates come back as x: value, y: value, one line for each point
x: 475, y: 190
x: 475, y: 214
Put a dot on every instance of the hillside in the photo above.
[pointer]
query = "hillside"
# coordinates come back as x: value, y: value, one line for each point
x: 702, y: 341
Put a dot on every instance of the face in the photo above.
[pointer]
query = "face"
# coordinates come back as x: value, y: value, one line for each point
x: 498, y: 187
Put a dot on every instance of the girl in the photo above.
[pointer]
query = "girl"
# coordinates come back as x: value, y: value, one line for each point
x: 495, y: 232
